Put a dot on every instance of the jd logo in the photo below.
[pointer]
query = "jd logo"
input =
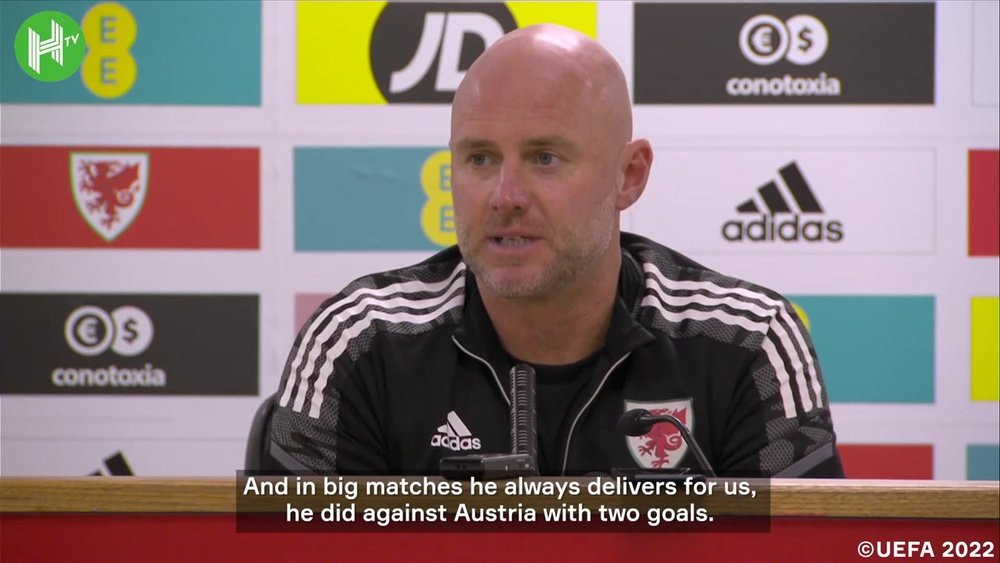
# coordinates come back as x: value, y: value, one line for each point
x: 420, y: 51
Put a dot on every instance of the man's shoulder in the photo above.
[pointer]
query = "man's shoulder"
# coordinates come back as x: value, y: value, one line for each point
x: 690, y: 297
x: 400, y: 300
x: 423, y: 276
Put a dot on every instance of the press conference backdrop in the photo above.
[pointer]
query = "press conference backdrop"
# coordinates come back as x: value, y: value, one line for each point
x: 173, y: 211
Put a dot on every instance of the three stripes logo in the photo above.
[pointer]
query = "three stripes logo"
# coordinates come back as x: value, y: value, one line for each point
x: 778, y: 220
x: 455, y: 435
x: 115, y: 465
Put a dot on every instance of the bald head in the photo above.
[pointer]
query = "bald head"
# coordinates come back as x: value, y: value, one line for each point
x: 550, y: 64
x: 542, y: 165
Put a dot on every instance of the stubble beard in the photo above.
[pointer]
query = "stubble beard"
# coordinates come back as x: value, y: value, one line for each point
x: 576, y: 253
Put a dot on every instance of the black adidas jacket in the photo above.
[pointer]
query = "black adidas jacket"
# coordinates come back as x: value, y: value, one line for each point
x: 403, y: 368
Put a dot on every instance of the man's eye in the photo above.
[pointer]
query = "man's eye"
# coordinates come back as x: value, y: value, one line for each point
x: 547, y: 158
x: 478, y: 159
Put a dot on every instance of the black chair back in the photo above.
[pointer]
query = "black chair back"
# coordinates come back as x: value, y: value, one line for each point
x: 257, y: 456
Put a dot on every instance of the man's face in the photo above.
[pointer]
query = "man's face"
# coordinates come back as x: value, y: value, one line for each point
x: 533, y: 181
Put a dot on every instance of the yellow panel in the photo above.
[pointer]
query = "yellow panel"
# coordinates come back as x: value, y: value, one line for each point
x: 333, y: 62
x: 581, y: 16
x: 802, y: 316
x: 332, y: 53
x: 985, y: 349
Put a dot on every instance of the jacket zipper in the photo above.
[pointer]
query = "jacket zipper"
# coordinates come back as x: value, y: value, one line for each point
x: 488, y: 365
x: 572, y: 427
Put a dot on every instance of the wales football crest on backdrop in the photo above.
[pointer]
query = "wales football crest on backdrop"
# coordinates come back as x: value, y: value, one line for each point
x: 109, y: 189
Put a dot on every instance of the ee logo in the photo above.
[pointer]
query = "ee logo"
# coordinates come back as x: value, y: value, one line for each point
x: 109, y: 70
x: 49, y: 48
x: 437, y: 218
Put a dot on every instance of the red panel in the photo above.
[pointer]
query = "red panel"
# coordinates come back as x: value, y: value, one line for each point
x: 887, y: 461
x: 984, y: 203
x: 195, y: 198
x: 305, y: 305
x: 169, y: 538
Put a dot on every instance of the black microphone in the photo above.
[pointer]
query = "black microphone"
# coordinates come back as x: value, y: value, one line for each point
x: 523, y: 414
x: 522, y: 461
x: 638, y: 422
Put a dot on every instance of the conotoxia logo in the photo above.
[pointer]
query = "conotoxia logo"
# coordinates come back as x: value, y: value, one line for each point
x: 765, y: 40
x: 105, y: 344
x: 403, y: 52
x: 49, y: 46
x: 127, y: 331
x: 781, y: 222
x: 783, y: 53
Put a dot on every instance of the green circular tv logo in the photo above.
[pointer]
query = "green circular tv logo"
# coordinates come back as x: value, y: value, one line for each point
x: 49, y: 46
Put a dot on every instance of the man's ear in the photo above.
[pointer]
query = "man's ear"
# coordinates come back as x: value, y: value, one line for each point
x: 637, y: 158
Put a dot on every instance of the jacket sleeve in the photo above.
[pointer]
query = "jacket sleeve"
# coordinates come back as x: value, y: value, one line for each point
x: 779, y: 424
x: 328, y: 417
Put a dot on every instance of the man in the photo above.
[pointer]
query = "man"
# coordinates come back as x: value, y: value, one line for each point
x: 405, y: 367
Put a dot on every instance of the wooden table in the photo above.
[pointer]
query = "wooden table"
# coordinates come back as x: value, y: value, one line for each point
x: 179, y: 519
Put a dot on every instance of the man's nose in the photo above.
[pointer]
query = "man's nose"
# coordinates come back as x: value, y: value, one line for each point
x: 510, y: 192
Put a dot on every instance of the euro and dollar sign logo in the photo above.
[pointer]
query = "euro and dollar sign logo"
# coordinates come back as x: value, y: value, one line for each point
x: 805, y: 40
x: 129, y: 331
x: 90, y: 330
x: 109, y: 69
x: 809, y: 39
x: 801, y: 40
x: 437, y: 217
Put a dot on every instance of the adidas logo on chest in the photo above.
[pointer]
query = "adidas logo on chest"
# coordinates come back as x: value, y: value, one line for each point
x: 455, y: 435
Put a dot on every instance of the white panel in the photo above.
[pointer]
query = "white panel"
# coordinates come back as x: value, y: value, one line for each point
x: 986, y: 53
x: 127, y: 417
x: 188, y: 457
x: 883, y: 199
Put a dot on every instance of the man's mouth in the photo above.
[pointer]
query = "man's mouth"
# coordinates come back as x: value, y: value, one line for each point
x: 511, y: 241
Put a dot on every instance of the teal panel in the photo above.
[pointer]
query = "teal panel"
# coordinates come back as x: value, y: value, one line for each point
x: 982, y: 462
x: 874, y: 349
x: 360, y: 199
x: 186, y: 53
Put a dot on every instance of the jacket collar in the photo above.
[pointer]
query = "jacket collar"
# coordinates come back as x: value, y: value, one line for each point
x: 477, y: 334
